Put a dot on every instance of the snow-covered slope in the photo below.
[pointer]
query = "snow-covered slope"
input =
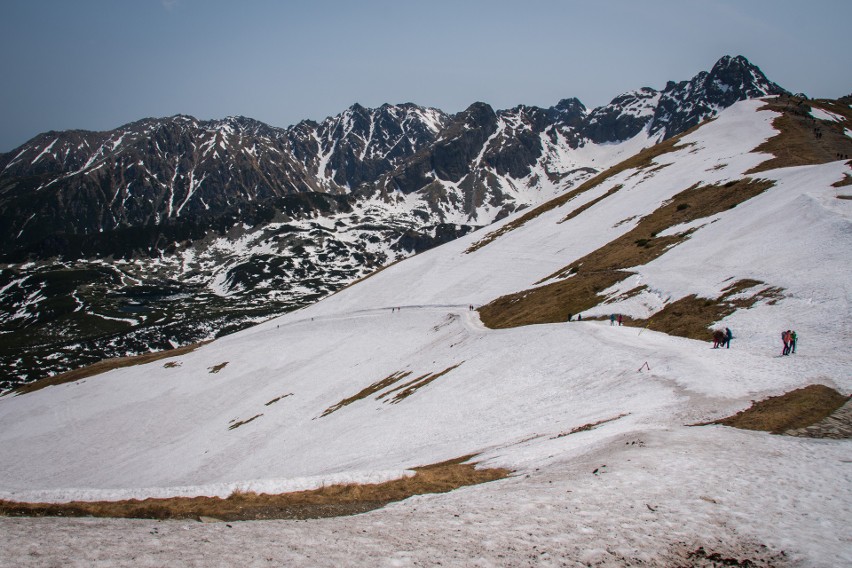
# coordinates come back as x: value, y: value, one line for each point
x: 261, y: 409
x: 166, y: 232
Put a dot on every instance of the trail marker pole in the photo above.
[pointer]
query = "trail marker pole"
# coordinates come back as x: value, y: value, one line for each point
x: 644, y: 366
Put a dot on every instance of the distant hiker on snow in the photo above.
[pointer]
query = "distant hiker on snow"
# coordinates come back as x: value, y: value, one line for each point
x: 611, y: 319
x: 718, y: 338
x: 728, y: 337
x: 620, y: 319
x: 789, y: 338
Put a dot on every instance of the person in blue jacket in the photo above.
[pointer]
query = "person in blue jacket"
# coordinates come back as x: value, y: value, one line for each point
x: 728, y: 336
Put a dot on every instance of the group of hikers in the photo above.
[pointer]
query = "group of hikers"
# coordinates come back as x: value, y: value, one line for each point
x: 789, y: 338
x: 722, y: 338
x: 616, y: 318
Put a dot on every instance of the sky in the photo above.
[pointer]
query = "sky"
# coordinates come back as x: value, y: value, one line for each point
x: 99, y: 64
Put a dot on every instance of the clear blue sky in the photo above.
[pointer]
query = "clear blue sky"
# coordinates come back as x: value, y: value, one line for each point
x: 98, y: 64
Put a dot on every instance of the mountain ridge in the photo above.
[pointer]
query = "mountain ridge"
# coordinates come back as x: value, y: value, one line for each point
x: 168, y: 232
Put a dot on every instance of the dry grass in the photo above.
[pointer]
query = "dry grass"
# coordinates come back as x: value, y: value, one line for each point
x: 691, y: 316
x: 643, y: 159
x: 370, y: 390
x: 591, y: 203
x: 274, y: 400
x: 106, y: 365
x: 334, y: 500
x: 587, y: 427
x: 846, y: 181
x: 402, y: 391
x: 242, y: 422
x: 797, y: 143
x: 796, y: 409
x: 217, y: 368
x: 578, y: 286
x: 409, y: 388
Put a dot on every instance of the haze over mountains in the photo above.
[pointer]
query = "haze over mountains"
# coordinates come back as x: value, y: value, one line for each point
x: 168, y: 231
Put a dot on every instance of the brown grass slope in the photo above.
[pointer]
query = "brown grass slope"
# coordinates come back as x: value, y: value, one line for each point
x: 803, y: 140
x: 578, y: 286
x: 334, y: 500
x: 796, y: 409
x: 690, y: 316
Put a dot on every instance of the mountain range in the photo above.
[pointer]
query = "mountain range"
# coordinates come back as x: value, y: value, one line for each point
x: 169, y: 231
x: 497, y: 350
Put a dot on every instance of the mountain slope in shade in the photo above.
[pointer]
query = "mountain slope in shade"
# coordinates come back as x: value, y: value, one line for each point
x: 397, y: 371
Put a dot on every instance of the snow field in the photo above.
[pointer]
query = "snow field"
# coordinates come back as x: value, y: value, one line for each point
x: 661, y: 487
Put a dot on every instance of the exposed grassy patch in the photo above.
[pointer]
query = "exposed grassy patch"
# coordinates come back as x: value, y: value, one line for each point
x: 274, y: 400
x: 370, y: 390
x: 409, y: 388
x: 331, y: 501
x: 104, y: 366
x: 643, y: 159
x: 802, y: 140
x: 796, y: 409
x: 587, y: 427
x: 847, y: 180
x: 242, y: 422
x: 578, y: 286
x: 691, y: 316
x: 217, y: 368
x: 591, y: 203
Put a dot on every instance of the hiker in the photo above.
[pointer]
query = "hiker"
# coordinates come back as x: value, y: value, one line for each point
x: 785, y: 338
x: 611, y: 319
x: 569, y: 316
x: 620, y: 319
x: 579, y: 317
x: 728, y: 336
x: 718, y: 338
x: 793, y: 339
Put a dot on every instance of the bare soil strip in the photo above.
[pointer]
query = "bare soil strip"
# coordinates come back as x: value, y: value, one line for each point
x: 331, y: 501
